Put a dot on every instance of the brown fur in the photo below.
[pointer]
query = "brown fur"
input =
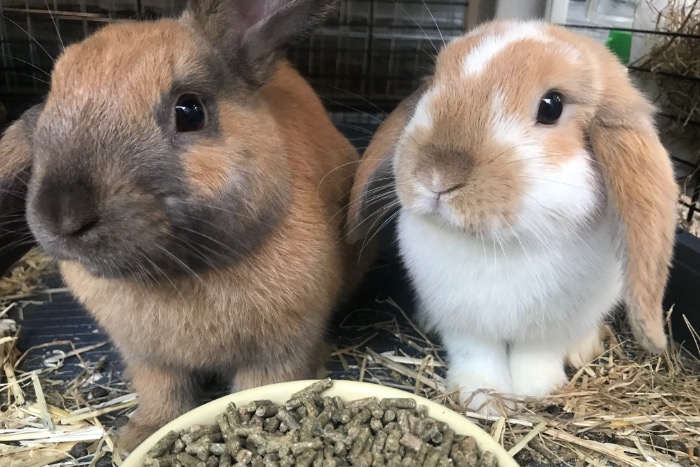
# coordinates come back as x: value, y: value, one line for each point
x: 15, y: 170
x: 263, y: 319
x: 606, y: 111
x: 375, y: 167
x: 270, y: 162
x: 16, y: 151
x: 639, y: 179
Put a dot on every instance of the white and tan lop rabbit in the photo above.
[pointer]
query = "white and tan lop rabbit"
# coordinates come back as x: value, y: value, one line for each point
x: 533, y: 196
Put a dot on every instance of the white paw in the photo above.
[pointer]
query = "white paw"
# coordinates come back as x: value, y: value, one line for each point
x: 586, y: 350
x: 481, y: 390
x: 478, y: 370
x: 487, y: 402
x: 536, y: 372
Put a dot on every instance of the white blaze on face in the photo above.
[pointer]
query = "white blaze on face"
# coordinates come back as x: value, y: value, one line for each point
x: 421, y: 115
x: 491, y: 46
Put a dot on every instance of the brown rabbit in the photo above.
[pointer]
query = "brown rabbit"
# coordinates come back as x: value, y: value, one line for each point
x: 193, y: 188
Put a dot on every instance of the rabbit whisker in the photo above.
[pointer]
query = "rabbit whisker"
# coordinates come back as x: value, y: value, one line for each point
x: 520, y: 242
x: 379, y: 212
x: 419, y: 26
x: 549, y: 180
x: 435, y: 22
x: 142, y: 276
x: 498, y: 156
x: 214, y: 240
x: 162, y: 274
x: 381, y: 227
x: 349, y: 107
x: 483, y: 242
x: 31, y: 38
x: 16, y: 244
x: 545, y: 156
x: 388, y: 194
x: 55, y: 25
x: 355, y: 127
x: 341, y: 166
x: 32, y: 77
x: 349, y: 93
x: 192, y: 248
x: 12, y: 217
x: 48, y: 75
x: 185, y: 267
x: 385, y: 192
x: 218, y: 208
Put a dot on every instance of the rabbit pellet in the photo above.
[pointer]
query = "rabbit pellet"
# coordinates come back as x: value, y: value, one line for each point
x: 320, y: 431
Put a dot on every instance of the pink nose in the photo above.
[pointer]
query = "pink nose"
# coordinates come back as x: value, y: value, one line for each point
x: 444, y: 189
x: 441, y: 185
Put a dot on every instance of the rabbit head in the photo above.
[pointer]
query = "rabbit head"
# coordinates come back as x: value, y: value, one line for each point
x: 151, y: 155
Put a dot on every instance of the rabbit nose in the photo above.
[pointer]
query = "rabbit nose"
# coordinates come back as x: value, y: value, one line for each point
x: 77, y: 225
x: 441, y: 185
x: 69, y: 210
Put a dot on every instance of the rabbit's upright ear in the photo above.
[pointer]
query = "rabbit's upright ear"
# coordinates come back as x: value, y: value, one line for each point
x: 15, y: 170
x: 640, y: 186
x: 373, y: 194
x: 253, y: 34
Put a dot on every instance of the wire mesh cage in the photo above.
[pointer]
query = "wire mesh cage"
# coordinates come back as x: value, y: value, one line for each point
x: 369, y: 50
x: 370, y: 54
x: 663, y: 56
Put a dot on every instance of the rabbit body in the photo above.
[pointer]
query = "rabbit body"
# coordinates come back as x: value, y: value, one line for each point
x: 533, y: 196
x: 516, y: 309
x: 270, y: 308
x: 193, y: 188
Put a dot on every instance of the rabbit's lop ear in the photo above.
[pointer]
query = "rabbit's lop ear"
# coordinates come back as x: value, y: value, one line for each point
x: 252, y: 35
x: 641, y: 187
x: 373, y: 194
x: 15, y: 170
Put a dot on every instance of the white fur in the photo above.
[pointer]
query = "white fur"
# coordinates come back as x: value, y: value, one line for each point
x: 566, y: 191
x: 421, y: 115
x: 511, y: 304
x: 490, y: 46
x: 540, y: 298
x: 586, y: 350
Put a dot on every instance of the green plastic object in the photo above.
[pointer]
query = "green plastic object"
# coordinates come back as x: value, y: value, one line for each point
x: 620, y: 43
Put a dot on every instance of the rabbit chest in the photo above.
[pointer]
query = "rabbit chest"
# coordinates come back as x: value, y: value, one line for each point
x: 554, y: 289
x: 219, y: 319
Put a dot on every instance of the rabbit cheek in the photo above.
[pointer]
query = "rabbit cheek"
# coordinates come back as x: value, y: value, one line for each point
x: 207, y: 170
x: 564, y: 194
x: 232, y: 207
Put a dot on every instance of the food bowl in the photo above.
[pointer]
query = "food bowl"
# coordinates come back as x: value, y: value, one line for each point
x: 347, y: 390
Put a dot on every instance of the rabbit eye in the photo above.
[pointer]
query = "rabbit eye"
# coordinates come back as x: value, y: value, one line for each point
x: 551, y: 107
x: 189, y: 113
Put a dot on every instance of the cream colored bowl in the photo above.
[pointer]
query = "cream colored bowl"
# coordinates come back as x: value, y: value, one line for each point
x: 347, y: 390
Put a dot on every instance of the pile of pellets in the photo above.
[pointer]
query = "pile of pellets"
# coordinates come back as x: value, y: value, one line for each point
x: 320, y: 431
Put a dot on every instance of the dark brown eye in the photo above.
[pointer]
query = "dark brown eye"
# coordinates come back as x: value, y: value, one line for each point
x: 551, y: 107
x: 190, y: 114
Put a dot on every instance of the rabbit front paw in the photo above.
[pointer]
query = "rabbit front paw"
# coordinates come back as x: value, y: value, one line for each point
x: 478, y: 371
x: 135, y: 432
x: 536, y: 370
x: 586, y: 350
x: 487, y: 402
